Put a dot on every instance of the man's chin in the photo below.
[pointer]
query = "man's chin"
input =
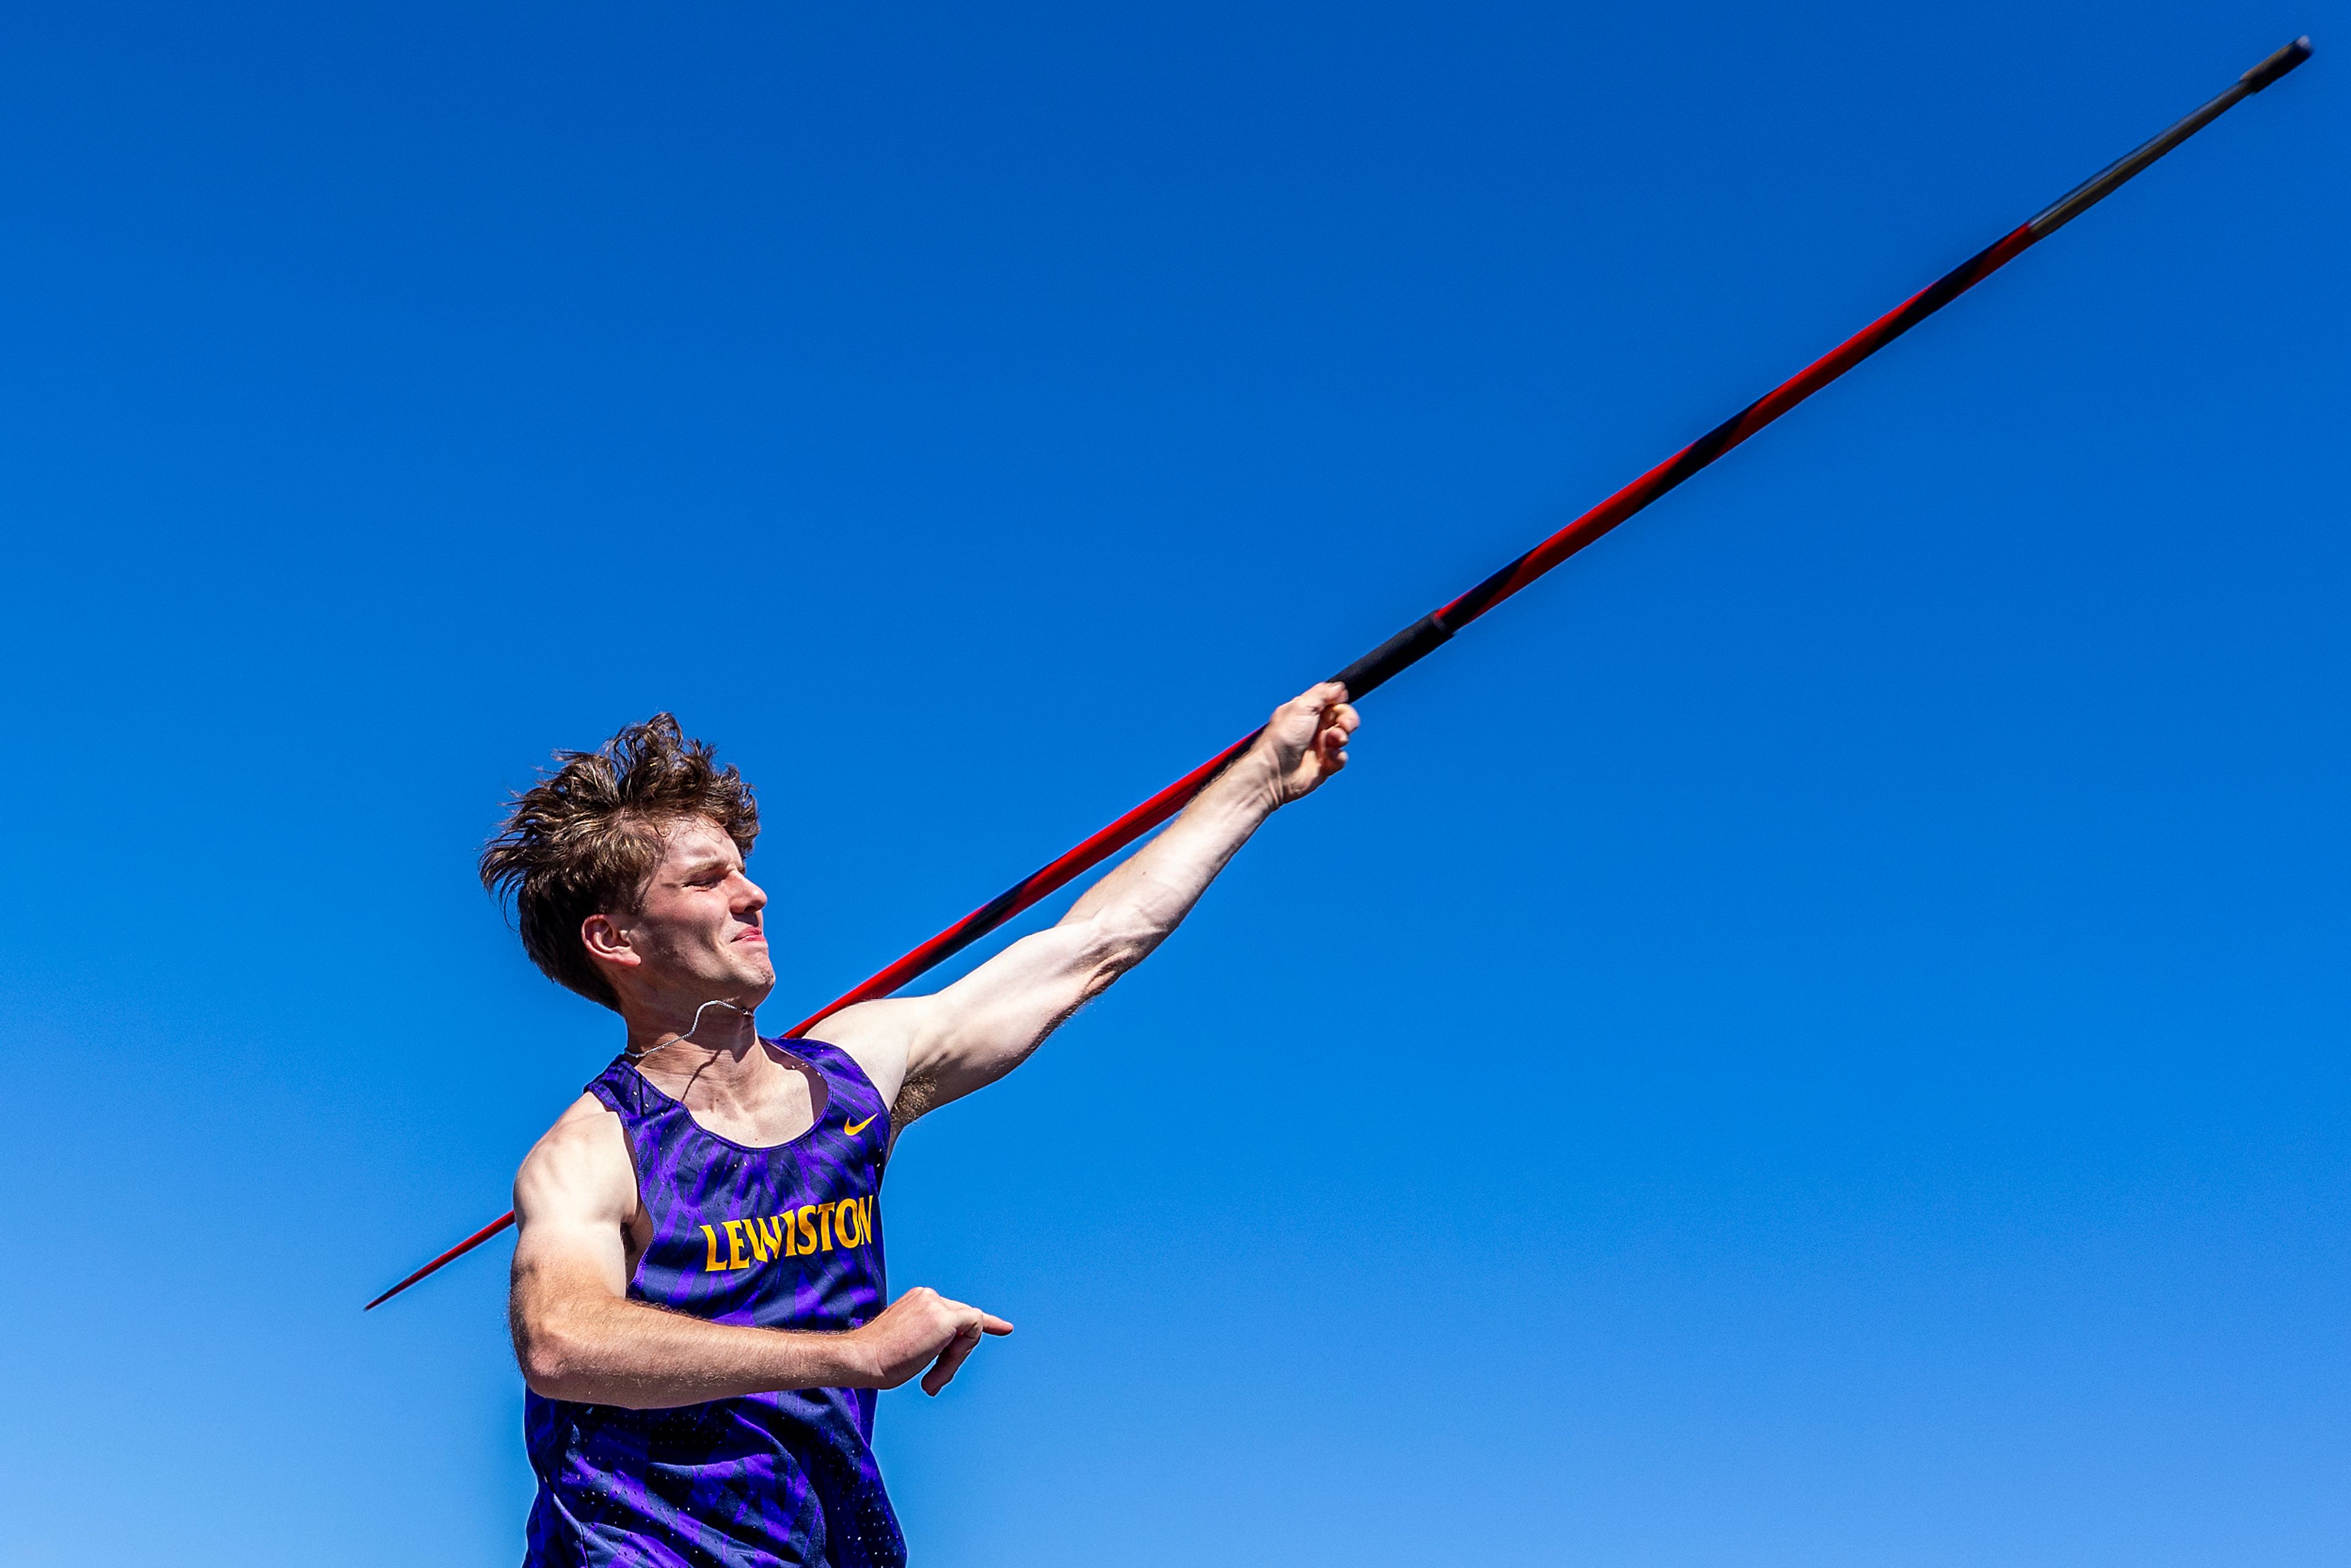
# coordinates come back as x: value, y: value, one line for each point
x: 739, y: 977
x: 754, y: 981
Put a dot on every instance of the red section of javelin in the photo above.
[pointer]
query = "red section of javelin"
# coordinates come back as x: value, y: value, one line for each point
x: 459, y: 1250
x: 1040, y: 884
x: 1592, y: 524
x: 1869, y: 339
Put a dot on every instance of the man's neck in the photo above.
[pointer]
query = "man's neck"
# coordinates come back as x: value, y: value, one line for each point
x: 717, y: 1045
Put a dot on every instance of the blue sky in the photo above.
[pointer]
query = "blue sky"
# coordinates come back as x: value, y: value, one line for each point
x: 1814, y: 1036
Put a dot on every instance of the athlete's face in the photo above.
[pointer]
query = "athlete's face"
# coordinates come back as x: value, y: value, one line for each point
x: 698, y: 934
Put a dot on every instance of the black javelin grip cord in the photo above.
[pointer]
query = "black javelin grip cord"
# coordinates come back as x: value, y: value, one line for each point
x: 1432, y: 631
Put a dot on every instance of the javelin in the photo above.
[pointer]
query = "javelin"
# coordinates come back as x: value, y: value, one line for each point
x: 1431, y: 632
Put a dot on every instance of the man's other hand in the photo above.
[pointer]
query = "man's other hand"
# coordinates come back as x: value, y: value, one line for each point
x: 921, y: 1329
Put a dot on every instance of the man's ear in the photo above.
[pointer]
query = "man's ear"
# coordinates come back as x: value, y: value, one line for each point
x: 607, y: 941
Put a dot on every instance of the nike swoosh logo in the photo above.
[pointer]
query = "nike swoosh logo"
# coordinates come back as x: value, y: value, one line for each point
x: 853, y: 1128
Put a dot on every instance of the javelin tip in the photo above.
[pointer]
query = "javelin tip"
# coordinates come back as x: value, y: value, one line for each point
x: 2277, y: 65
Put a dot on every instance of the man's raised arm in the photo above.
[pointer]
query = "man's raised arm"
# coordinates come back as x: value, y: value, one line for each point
x: 922, y: 1051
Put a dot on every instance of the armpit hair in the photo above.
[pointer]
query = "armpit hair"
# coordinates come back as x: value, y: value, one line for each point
x: 915, y: 1096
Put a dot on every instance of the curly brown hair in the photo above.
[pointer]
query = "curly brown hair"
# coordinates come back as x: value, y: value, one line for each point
x: 585, y: 839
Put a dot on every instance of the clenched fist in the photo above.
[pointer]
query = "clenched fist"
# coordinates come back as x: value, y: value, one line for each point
x: 921, y: 1328
x: 1305, y: 741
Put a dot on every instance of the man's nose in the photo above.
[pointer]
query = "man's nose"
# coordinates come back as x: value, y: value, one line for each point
x: 751, y: 898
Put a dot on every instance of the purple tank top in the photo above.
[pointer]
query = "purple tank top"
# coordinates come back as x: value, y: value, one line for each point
x: 783, y: 1237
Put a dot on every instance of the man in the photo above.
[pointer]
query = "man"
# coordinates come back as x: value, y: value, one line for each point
x: 697, y: 1295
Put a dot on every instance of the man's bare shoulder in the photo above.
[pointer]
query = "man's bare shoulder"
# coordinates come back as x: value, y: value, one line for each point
x: 861, y: 1025
x: 585, y: 1111
x: 580, y: 1168
x: 877, y: 1035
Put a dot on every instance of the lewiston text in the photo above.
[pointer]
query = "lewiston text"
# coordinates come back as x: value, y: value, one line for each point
x: 811, y: 1227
